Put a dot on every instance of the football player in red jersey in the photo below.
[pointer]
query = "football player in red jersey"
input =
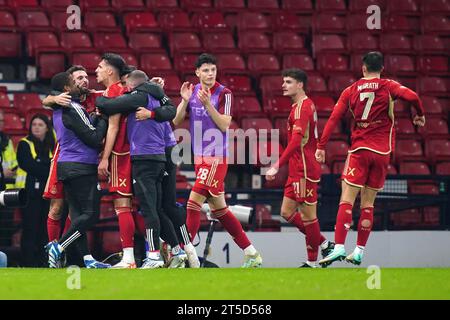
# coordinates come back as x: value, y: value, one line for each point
x: 54, y: 189
x: 300, y: 191
x: 116, y: 156
x: 371, y: 103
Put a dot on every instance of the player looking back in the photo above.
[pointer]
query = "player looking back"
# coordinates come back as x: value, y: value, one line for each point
x: 300, y: 191
x: 210, y: 105
x: 371, y: 103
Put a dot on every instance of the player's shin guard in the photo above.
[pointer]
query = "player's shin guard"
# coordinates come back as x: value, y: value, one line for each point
x: 233, y: 226
x: 53, y: 229
x: 364, y: 226
x: 312, y: 229
x: 193, y: 218
x: 296, y: 220
x: 343, y: 222
x: 126, y: 226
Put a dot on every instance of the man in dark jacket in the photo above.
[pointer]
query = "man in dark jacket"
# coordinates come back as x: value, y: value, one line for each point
x: 80, y: 139
x: 148, y: 156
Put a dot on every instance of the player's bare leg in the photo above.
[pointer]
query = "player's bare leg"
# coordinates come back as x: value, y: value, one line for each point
x: 220, y: 211
x: 365, y: 224
x: 343, y: 223
x: 123, y: 210
x: 194, y: 207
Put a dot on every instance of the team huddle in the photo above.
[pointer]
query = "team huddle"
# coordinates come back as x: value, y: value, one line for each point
x: 125, y: 134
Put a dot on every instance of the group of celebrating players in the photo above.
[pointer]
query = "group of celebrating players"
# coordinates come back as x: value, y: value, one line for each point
x: 125, y: 133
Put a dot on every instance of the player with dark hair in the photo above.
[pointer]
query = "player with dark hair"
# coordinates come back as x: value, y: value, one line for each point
x: 80, y: 137
x: 300, y: 191
x: 116, y: 155
x: 371, y: 103
x: 210, y: 104
x: 54, y: 189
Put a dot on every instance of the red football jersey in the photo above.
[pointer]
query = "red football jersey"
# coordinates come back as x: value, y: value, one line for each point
x: 121, y: 146
x: 371, y: 103
x: 302, y: 142
x: 89, y: 102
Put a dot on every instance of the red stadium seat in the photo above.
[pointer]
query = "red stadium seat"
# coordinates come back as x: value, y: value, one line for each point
x: 246, y: 107
x: 338, y: 82
x: 336, y: 134
x: 88, y: 60
x: 432, y: 216
x: 175, y: 21
x: 435, y: 127
x: 435, y: 24
x: 151, y: 62
x: 404, y: 7
x: 12, y: 122
x: 414, y: 168
x: 56, y: 4
x: 433, y: 65
x: 443, y: 168
x: 428, y: 189
x: 297, y: 6
x: 159, y: 5
x: 281, y: 124
x: 41, y: 40
x: 263, y: 63
x: 362, y: 5
x: 58, y: 20
x: 434, y: 86
x: 288, y: 42
x: 230, y: 5
x: 432, y: 106
x: 357, y: 22
x: 262, y: 5
x: 408, y: 150
x: 50, y: 64
x: 329, y: 23
x: 391, y: 169
x: 219, y: 41
x: 129, y: 58
x: 33, y: 20
x: 108, y: 41
x: 336, y: 150
x: 196, y: 5
x: 184, y: 63
x: 324, y: 105
x: 396, y: 43
x: 4, y: 100
x: 406, y: 218
x: 256, y: 123
x: 404, y: 126
x: 270, y: 85
x: 74, y: 40
x: 437, y: 150
x: 209, y: 20
x: 23, y: 4
x: 7, y: 21
x: 100, y: 21
x: 331, y: 5
x: 400, y: 64
x: 435, y: 6
x: 145, y: 42
x: 90, y: 5
x: 430, y: 43
x: 238, y: 84
x: 254, y: 41
x: 316, y: 84
x: 288, y: 21
x: 363, y: 42
x: 265, y: 154
x: 330, y: 63
x: 128, y: 5
x: 172, y: 84
x: 231, y: 63
x: 328, y: 42
x: 402, y: 24
x: 25, y: 101
x: 280, y: 179
x: 10, y: 45
x: 140, y: 22
x: 253, y: 21
x: 184, y: 42
x: 302, y: 61
x: 278, y: 107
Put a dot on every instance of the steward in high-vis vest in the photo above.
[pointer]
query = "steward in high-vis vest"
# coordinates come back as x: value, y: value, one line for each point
x: 8, y: 159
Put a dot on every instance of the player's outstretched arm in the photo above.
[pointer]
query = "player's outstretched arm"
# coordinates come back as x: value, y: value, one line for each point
x: 63, y: 99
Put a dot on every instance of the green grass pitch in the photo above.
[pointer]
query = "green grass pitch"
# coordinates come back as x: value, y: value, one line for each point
x: 225, y: 284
